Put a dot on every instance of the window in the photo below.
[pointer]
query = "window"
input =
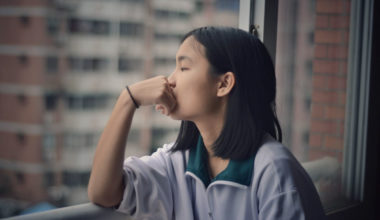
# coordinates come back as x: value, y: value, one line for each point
x: 49, y: 147
x: 168, y: 36
x: 87, y: 64
x: 87, y: 26
x: 74, y: 102
x: 20, y: 178
x: 87, y: 102
x: 322, y: 53
x: 51, y: 64
x: 74, y: 179
x: 325, y: 87
x: 25, y: 20
x: 51, y: 101
x: 78, y: 140
x: 164, y: 61
x: 52, y: 25
x: 49, y: 179
x: 21, y: 138
x: 165, y: 14
x: 131, y: 29
x: 23, y: 59
x: 131, y: 64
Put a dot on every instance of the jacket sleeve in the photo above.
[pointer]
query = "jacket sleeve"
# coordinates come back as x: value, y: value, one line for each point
x: 286, y: 192
x: 284, y: 205
x: 147, y: 190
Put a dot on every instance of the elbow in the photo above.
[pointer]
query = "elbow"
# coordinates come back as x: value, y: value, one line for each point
x: 104, y: 199
x: 95, y: 198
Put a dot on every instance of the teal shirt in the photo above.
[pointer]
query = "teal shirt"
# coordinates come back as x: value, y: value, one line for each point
x: 239, y: 171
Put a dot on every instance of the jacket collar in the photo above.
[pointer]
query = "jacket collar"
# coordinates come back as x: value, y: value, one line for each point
x: 238, y: 171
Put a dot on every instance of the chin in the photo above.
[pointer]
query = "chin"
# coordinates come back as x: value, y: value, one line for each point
x: 176, y: 115
x: 175, y: 118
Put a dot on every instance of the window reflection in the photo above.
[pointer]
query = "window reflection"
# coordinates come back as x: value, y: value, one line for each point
x: 311, y: 68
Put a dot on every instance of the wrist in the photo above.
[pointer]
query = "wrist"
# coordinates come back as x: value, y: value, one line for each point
x: 136, y: 104
x: 125, y: 100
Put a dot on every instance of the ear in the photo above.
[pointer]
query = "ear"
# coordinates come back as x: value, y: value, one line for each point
x: 225, y: 84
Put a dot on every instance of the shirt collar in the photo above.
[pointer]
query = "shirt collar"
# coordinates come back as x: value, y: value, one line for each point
x: 238, y: 171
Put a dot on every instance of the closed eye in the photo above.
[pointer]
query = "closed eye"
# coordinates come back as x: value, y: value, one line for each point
x: 184, y: 69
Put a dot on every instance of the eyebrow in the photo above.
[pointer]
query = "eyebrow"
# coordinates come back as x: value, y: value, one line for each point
x: 181, y: 58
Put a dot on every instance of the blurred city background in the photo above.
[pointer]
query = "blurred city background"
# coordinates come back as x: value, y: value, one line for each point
x: 63, y: 64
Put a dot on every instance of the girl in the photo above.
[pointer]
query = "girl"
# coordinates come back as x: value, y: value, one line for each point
x: 227, y: 162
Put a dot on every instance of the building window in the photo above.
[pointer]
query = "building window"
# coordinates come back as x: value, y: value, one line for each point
x: 51, y: 101
x: 21, y: 137
x: 83, y: 26
x: 23, y: 59
x: 20, y: 178
x: 49, y: 146
x: 51, y: 64
x: 129, y: 64
x: 166, y: 14
x: 25, y: 20
x: 168, y: 36
x: 87, y: 102
x: 22, y: 98
x: 52, y: 25
x: 74, y: 103
x: 101, y: 27
x: 88, y: 64
x: 131, y: 1
x: 76, y: 178
x: 131, y: 29
x: 49, y: 179
x: 80, y: 140
x: 164, y: 61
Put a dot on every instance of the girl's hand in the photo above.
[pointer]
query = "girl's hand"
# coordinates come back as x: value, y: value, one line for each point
x: 155, y: 91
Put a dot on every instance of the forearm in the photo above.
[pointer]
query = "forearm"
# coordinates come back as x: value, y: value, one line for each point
x: 105, y: 185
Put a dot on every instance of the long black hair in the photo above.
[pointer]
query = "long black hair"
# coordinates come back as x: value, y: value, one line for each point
x: 251, y: 107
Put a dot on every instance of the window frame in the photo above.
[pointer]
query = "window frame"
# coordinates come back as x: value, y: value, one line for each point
x: 262, y: 15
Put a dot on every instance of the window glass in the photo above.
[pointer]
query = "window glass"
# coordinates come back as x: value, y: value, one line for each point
x: 66, y: 63
x: 88, y: 26
x: 50, y: 101
x: 51, y: 64
x: 311, y: 68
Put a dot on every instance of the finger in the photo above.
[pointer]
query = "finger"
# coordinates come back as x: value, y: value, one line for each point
x: 159, y: 107
x: 169, y: 100
x: 162, y: 108
x: 165, y: 80
x: 169, y: 85
x: 173, y: 99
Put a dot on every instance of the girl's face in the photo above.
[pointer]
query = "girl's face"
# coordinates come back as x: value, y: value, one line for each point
x: 194, y: 87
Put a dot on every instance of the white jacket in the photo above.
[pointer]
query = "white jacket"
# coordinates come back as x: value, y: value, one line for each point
x: 271, y: 185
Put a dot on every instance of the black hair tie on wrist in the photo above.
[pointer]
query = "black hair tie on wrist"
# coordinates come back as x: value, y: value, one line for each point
x: 133, y: 99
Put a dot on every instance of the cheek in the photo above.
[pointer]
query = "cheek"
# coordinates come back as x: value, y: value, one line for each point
x: 193, y: 98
